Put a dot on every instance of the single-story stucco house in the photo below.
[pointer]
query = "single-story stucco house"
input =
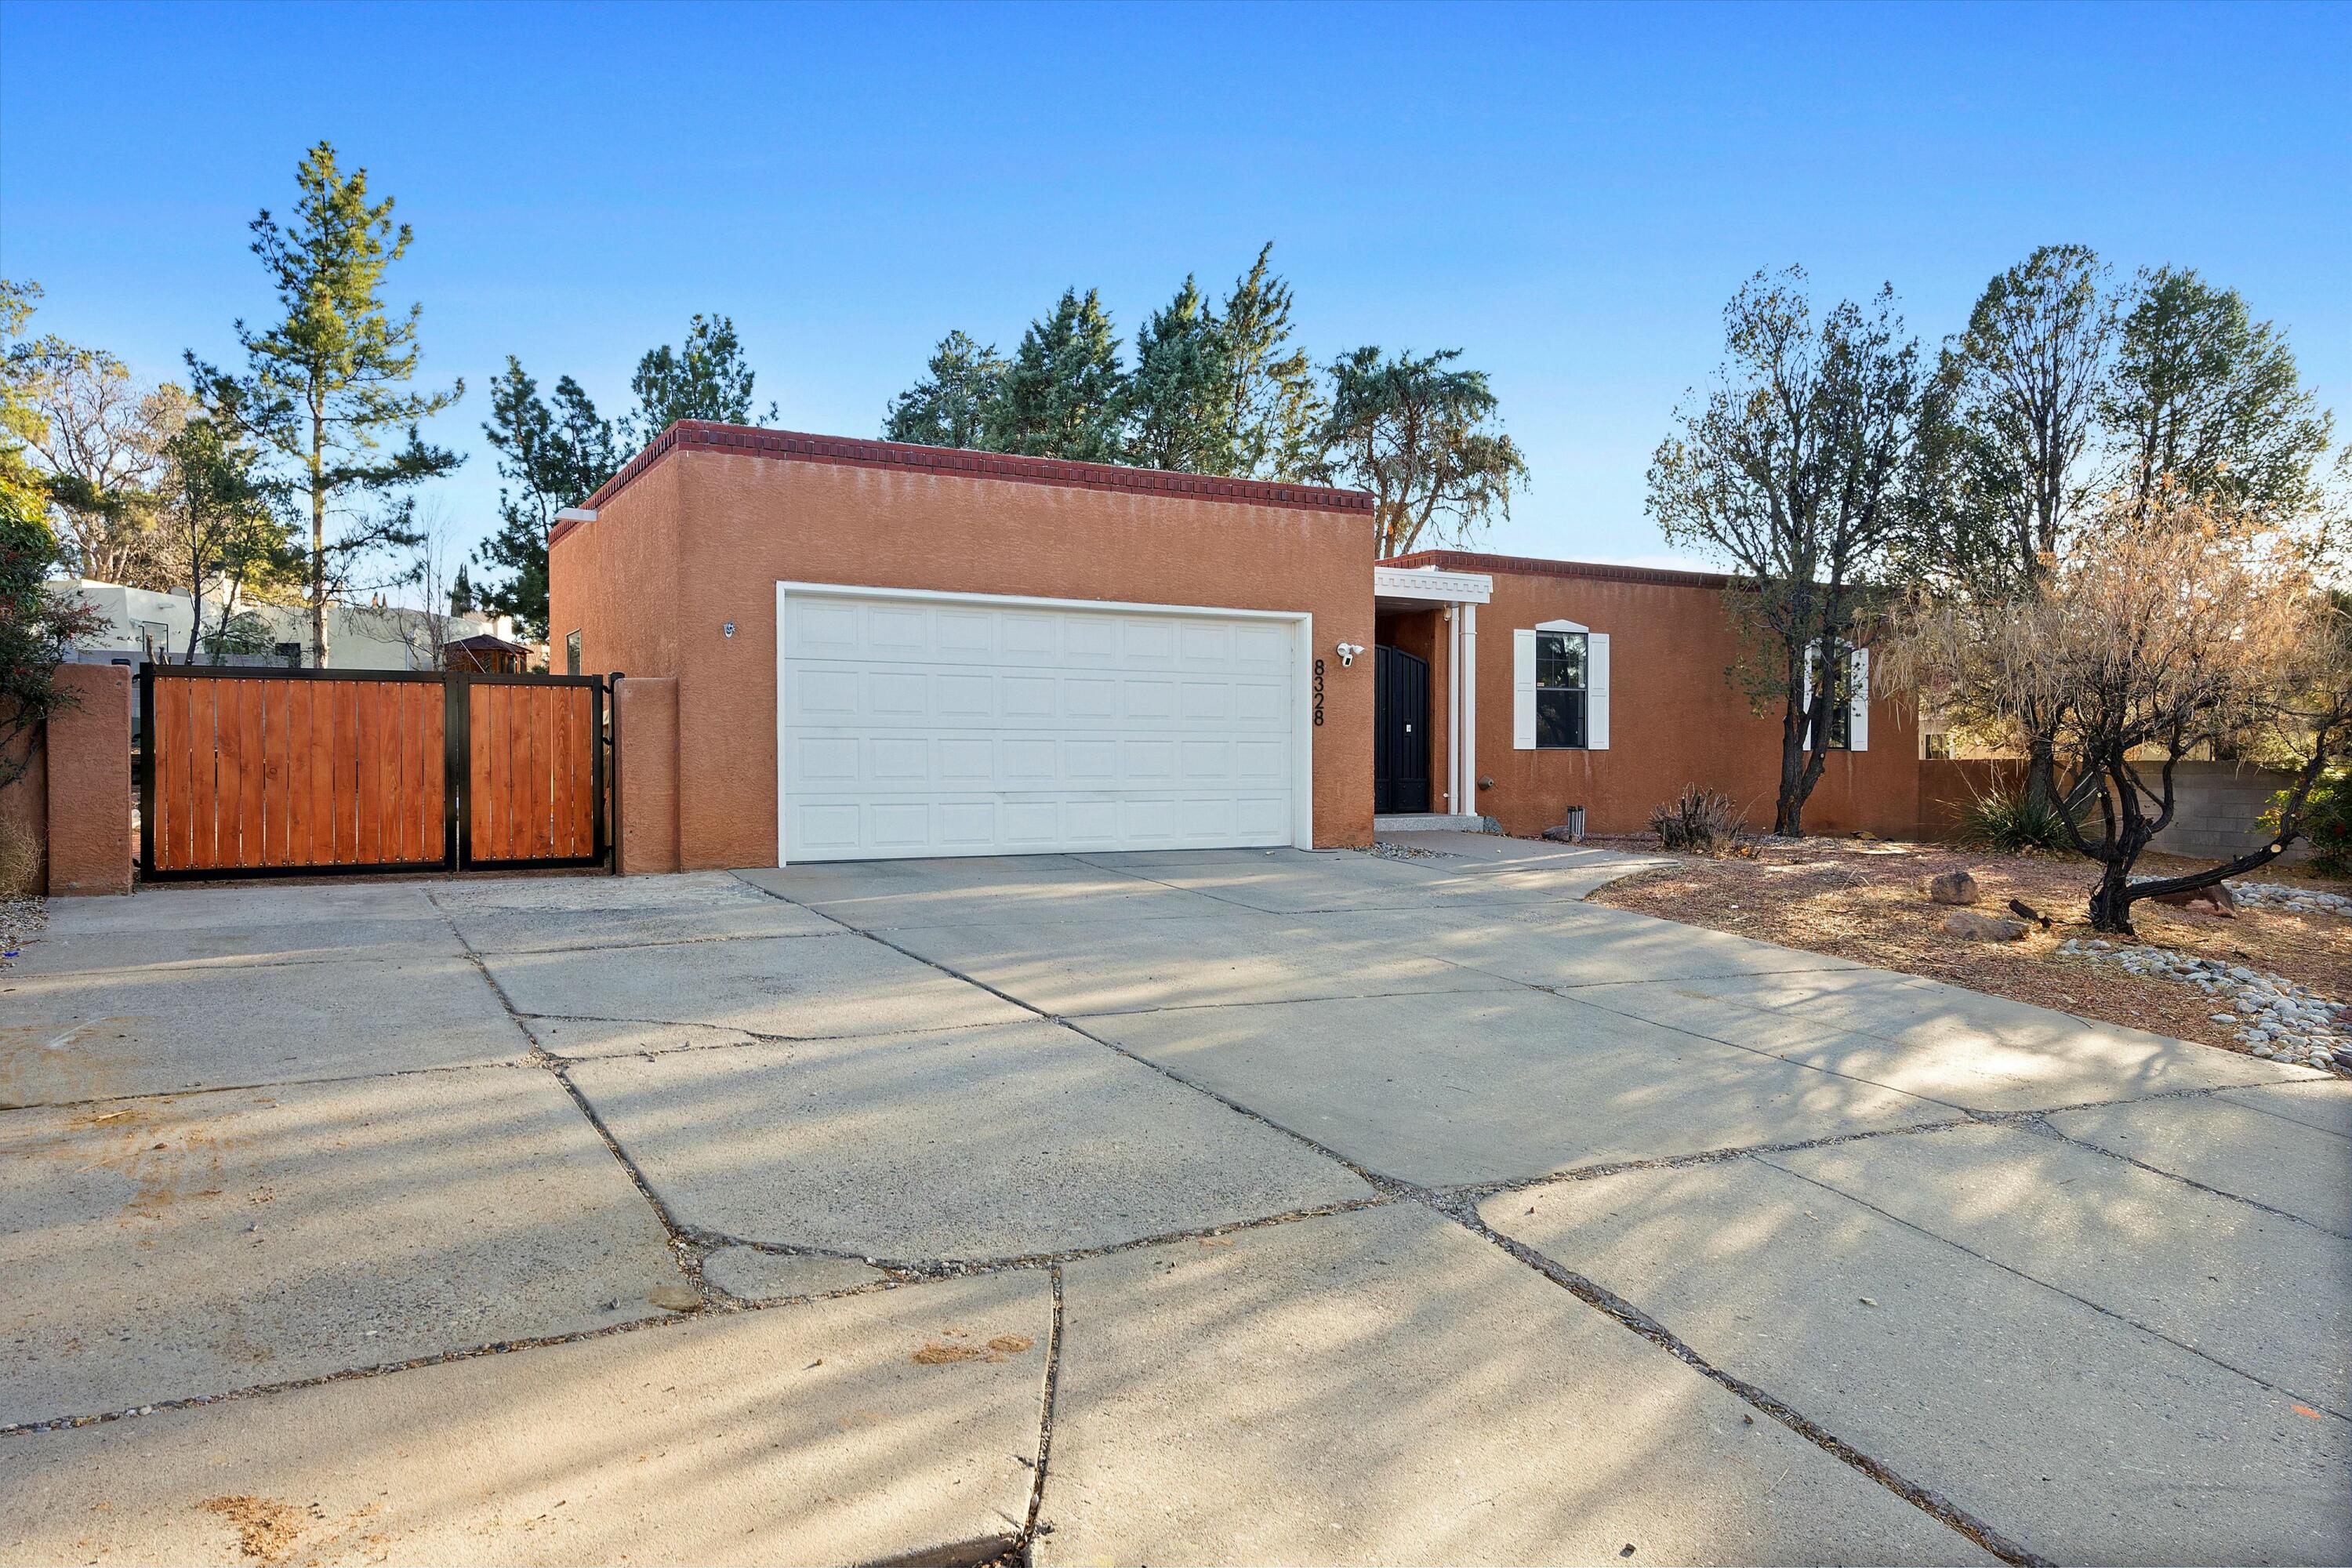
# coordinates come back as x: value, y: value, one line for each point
x: 863, y: 649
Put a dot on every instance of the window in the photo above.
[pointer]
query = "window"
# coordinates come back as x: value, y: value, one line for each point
x: 1849, y: 698
x: 1562, y: 660
x: 571, y: 653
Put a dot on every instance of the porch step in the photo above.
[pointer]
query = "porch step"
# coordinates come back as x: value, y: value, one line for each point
x: 1434, y: 822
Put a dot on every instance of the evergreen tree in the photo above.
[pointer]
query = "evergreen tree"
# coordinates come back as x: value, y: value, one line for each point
x: 706, y: 379
x: 461, y: 593
x: 1065, y: 391
x: 1179, y: 407
x: 2206, y: 402
x: 550, y: 457
x: 1274, y: 412
x: 330, y: 380
x: 952, y: 405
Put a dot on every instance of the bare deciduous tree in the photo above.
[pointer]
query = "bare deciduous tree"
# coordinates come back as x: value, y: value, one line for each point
x: 2167, y: 629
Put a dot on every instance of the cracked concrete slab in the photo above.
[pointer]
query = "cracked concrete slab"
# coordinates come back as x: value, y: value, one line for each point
x: 161, y: 1030
x: 970, y: 1143
x: 518, y: 915
x: 2251, y: 1290
x: 1298, y: 881
x: 68, y: 951
x: 810, y: 1432
x: 2256, y: 1144
x: 164, y: 1248
x: 1229, y: 957
x: 2068, y: 1430
x: 582, y: 1037
x: 789, y: 986
x: 1573, y: 945
x: 1443, y: 1090
x: 1386, y: 1387
x: 1031, y: 889
x: 1939, y: 1041
x: 748, y: 1274
x: 245, y: 906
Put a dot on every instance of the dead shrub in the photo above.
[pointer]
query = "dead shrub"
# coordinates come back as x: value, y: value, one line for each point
x: 1699, y: 822
x: 20, y: 859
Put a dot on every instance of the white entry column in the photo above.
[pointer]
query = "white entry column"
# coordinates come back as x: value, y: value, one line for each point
x: 1465, y: 787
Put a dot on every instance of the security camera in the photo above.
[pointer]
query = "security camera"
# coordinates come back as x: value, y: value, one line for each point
x: 1348, y: 652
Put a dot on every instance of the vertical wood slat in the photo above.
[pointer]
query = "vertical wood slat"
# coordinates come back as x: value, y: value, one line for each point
x: 250, y: 778
x: 276, y: 726
x: 346, y: 792
x: 518, y: 740
x: 583, y: 770
x: 227, y: 775
x: 394, y: 758
x: 565, y: 743
x: 204, y: 776
x: 481, y: 755
x: 299, y: 738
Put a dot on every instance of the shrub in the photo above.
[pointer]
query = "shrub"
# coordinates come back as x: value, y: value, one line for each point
x: 20, y: 859
x: 1699, y: 822
x: 2326, y: 822
x: 2013, y: 825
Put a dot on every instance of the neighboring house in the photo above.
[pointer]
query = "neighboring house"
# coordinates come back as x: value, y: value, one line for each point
x: 867, y: 649
x: 142, y: 624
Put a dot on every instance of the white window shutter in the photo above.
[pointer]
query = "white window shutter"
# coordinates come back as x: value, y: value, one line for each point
x: 1523, y: 690
x: 1812, y: 675
x: 1596, y: 691
x: 1858, y: 728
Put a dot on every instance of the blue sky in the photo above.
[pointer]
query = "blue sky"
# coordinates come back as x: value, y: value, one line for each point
x: 1567, y: 194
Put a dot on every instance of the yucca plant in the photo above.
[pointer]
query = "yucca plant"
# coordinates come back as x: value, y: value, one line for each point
x: 2013, y: 825
x: 1699, y: 822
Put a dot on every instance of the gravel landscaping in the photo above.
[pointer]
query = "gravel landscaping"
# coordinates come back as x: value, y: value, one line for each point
x: 2274, y: 981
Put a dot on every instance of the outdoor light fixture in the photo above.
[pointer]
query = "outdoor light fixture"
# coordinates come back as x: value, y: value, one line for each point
x: 1348, y: 652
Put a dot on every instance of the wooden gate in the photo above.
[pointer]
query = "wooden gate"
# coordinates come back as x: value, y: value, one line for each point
x: 257, y: 772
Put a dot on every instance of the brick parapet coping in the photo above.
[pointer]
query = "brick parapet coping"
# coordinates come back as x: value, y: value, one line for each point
x: 1534, y: 566
x: 702, y: 436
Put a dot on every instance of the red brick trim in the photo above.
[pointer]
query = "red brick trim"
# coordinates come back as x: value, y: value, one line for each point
x: 700, y: 436
x: 1534, y: 566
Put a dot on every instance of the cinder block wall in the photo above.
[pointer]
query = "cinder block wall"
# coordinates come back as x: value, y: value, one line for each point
x: 2217, y: 811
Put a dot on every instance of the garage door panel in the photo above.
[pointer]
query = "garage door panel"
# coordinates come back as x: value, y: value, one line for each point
x: 913, y: 728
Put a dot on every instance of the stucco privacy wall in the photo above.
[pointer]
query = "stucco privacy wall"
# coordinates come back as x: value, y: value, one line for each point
x: 76, y: 797
x: 874, y: 514
x: 1674, y: 719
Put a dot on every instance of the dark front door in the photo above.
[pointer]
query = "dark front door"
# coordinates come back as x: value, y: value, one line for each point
x: 1400, y: 731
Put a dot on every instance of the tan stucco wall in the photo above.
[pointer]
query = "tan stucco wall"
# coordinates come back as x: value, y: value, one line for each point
x: 731, y: 525
x: 645, y: 719
x: 88, y: 756
x: 1674, y: 719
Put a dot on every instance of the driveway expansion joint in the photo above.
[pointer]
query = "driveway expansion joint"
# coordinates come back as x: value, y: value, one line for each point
x: 1934, y: 1504
x: 2037, y: 1121
x: 2107, y: 1313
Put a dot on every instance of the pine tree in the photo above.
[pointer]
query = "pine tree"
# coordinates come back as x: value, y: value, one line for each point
x: 1065, y: 393
x: 951, y: 405
x: 329, y: 381
x: 1179, y: 411
x: 1274, y: 410
x: 2206, y: 402
x: 706, y: 379
x: 552, y: 458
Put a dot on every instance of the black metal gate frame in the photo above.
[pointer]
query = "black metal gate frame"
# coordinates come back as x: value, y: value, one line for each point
x: 456, y: 772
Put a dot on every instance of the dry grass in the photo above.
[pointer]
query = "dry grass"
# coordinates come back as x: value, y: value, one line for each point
x: 1858, y: 898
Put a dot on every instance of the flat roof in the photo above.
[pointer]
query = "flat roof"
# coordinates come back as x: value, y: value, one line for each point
x: 793, y: 445
x: 1536, y: 566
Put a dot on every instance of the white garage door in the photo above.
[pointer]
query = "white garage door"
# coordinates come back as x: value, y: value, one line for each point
x: 962, y: 726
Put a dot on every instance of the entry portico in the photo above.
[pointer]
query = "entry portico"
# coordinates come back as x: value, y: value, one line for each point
x: 1425, y: 626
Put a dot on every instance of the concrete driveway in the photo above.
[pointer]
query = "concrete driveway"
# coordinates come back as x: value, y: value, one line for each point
x: 1224, y: 1207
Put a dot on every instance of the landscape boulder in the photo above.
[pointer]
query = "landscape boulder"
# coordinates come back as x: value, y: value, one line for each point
x: 2213, y: 900
x: 1951, y: 887
x: 1983, y: 928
